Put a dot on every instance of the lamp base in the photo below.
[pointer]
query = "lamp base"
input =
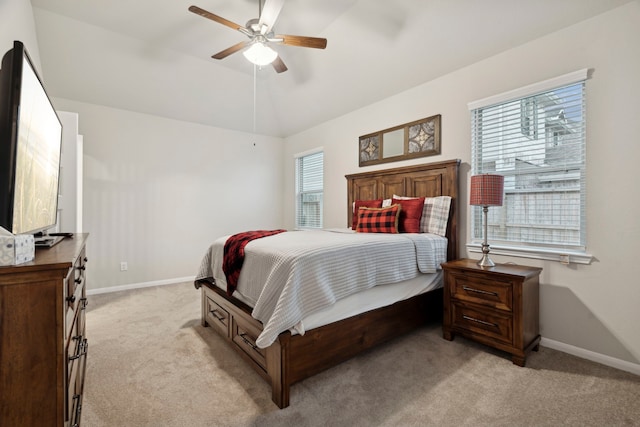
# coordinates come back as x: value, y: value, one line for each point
x: 486, y: 261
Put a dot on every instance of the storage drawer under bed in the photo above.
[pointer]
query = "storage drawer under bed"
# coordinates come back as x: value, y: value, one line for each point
x: 236, y: 327
x: 217, y: 317
x: 245, y: 336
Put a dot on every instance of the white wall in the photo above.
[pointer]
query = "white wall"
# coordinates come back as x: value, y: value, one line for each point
x: 592, y: 307
x: 157, y: 192
x: 17, y: 23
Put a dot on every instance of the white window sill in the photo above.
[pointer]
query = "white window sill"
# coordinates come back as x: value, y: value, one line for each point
x: 563, y: 257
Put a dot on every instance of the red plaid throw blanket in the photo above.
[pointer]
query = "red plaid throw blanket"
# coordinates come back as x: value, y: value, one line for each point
x: 234, y: 254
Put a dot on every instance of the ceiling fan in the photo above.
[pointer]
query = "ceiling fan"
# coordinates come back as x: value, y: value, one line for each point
x: 260, y: 34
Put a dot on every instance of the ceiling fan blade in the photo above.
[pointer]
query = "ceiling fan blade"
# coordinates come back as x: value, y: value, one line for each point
x: 228, y: 51
x: 214, y: 17
x: 301, y: 41
x: 278, y: 65
x: 269, y: 13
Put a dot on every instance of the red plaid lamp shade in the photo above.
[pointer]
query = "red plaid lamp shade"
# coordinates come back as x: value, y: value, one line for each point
x: 487, y: 190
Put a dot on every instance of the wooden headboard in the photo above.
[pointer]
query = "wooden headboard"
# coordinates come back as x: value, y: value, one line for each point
x: 428, y: 180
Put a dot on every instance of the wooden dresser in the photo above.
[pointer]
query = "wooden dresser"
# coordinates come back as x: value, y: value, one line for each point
x: 43, y: 344
x: 497, y: 306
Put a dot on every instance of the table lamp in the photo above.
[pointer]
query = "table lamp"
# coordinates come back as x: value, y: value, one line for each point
x: 486, y: 190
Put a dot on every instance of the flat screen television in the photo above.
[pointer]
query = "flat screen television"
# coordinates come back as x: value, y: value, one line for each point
x: 30, y: 148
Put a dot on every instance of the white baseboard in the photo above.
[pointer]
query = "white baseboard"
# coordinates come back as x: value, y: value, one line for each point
x: 623, y: 365
x: 139, y: 285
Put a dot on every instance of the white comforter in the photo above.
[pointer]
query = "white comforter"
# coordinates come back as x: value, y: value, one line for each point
x: 290, y: 275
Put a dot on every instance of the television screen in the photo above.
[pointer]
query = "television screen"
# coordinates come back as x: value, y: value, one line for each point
x: 31, y: 137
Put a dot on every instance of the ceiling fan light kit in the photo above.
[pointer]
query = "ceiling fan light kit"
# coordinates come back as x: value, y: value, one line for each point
x: 259, y: 31
x: 260, y: 54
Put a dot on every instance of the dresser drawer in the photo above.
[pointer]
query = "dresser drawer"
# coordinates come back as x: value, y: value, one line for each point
x: 76, y: 360
x: 77, y: 278
x: 482, y: 321
x: 78, y: 386
x: 74, y: 342
x: 74, y: 304
x: 217, y: 317
x: 244, y: 336
x: 482, y: 290
x: 76, y: 351
x: 75, y: 386
x: 73, y: 345
x: 76, y: 366
x: 74, y: 411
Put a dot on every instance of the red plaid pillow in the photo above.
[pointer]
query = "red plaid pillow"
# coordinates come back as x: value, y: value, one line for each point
x: 373, y: 220
x: 363, y: 204
x: 410, y: 214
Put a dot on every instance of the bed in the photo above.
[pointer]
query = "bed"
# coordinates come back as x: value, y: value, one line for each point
x: 306, y: 349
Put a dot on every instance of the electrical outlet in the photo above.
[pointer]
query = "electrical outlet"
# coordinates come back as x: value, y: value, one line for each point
x: 124, y: 266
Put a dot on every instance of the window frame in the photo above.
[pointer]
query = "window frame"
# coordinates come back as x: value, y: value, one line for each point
x: 575, y: 253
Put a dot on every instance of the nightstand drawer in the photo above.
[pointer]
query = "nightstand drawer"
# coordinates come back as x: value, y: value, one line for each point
x: 489, y: 323
x: 481, y: 290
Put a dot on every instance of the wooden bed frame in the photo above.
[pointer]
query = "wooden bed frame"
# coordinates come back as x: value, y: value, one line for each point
x: 292, y: 358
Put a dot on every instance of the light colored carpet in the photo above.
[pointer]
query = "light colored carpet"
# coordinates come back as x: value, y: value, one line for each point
x: 150, y: 363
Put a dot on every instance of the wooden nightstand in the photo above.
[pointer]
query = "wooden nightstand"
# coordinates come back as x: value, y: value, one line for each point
x: 497, y: 306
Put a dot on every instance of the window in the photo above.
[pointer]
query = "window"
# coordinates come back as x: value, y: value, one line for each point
x: 535, y: 137
x: 309, y: 189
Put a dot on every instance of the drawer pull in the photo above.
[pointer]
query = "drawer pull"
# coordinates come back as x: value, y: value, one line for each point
x: 248, y: 342
x: 71, y: 299
x: 215, y: 313
x: 479, y: 291
x: 84, y: 303
x: 482, y: 322
x: 82, y: 267
x: 78, y: 280
x: 82, y: 350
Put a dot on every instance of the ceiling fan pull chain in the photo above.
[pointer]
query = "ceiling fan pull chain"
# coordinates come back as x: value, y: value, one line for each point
x: 255, y: 70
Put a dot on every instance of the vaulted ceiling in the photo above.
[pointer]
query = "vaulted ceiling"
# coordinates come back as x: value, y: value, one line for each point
x: 154, y: 56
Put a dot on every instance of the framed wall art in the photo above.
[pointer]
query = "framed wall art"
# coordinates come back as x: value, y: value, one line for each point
x: 420, y: 138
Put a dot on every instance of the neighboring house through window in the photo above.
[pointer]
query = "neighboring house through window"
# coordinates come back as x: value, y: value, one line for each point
x: 535, y: 137
x: 309, y: 189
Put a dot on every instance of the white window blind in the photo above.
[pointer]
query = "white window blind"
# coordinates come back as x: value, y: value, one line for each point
x: 538, y: 143
x: 309, y: 190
